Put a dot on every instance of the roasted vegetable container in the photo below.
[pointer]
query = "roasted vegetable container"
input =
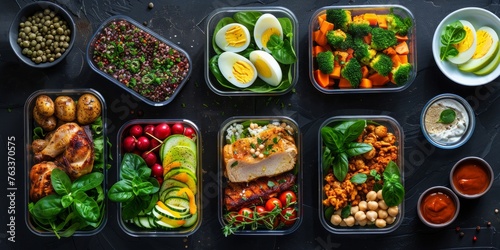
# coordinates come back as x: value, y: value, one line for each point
x: 148, y: 66
x: 174, y: 144
x: 95, y: 218
x: 388, y: 147
x: 256, y: 198
x: 287, y: 55
x: 330, y: 83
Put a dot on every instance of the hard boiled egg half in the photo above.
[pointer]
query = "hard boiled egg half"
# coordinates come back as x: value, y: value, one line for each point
x: 265, y: 26
x: 467, y: 46
x: 267, y: 67
x: 237, y: 69
x: 486, y: 49
x: 233, y: 37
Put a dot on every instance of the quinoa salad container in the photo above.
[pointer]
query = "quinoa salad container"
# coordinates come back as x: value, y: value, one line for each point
x: 376, y: 16
x: 174, y: 209
x: 260, y: 175
x: 370, y: 199
x: 252, y: 22
x: 148, y: 66
x: 85, y: 160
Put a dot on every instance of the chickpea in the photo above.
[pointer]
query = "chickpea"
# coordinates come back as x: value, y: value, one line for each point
x: 336, y: 219
x: 381, y: 131
x: 371, y: 196
x: 372, y: 205
x: 390, y: 219
x: 354, y: 209
x: 393, y: 211
x: 371, y: 216
x: 363, y: 222
x: 342, y: 224
x: 382, y: 205
x: 382, y: 214
x: 349, y: 221
x: 363, y: 206
x: 380, y: 223
x: 379, y: 195
x: 360, y: 215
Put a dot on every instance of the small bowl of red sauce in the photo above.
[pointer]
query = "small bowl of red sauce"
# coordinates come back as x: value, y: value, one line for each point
x: 471, y: 177
x: 438, y: 207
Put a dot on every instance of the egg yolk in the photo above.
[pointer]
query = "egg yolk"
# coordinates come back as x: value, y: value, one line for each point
x: 467, y: 42
x: 484, y: 43
x: 243, y: 72
x: 235, y: 36
x: 263, y: 68
x: 266, y: 35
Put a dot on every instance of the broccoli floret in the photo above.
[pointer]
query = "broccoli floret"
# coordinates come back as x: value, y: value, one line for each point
x: 381, y: 63
x: 398, y: 24
x: 382, y: 39
x: 401, y: 73
x: 339, y: 17
x: 352, y: 72
x: 362, y: 51
x: 336, y: 38
x: 325, y: 61
x: 348, y: 43
x: 359, y: 27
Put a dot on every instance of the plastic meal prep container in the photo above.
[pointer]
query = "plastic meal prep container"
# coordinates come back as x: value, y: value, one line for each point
x: 175, y: 82
x: 392, y: 127
x: 358, y: 10
x: 134, y: 230
x: 223, y: 181
x: 29, y: 127
x: 227, y: 12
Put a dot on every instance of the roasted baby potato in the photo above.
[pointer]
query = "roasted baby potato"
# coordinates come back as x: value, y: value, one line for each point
x: 88, y: 109
x: 48, y: 123
x: 44, y: 105
x: 65, y: 108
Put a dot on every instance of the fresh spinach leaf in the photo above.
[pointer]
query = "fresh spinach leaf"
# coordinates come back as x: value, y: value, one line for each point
x: 48, y: 207
x: 121, y: 191
x: 60, y: 181
x: 87, y: 208
x: 247, y: 18
x: 452, y: 34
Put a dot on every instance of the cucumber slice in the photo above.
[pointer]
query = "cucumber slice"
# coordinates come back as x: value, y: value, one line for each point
x: 171, y: 183
x: 169, y: 213
x: 177, y: 140
x: 191, y: 221
x: 172, y: 192
x: 178, y: 204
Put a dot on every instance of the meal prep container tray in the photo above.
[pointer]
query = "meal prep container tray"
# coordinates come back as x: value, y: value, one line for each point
x: 393, y: 127
x: 224, y: 12
x: 221, y: 141
x: 29, y: 126
x: 135, y: 231
x: 357, y: 10
x: 91, y: 49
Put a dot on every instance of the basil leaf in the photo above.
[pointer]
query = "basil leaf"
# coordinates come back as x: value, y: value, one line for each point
x: 341, y: 166
x: 329, y: 211
x: 346, y: 211
x: 327, y: 160
x: 447, y: 116
x: 121, y: 191
x: 144, y: 173
x: 66, y: 200
x: 48, y: 207
x: 353, y: 131
x: 357, y: 148
x: 359, y: 178
x: 391, y: 172
x: 87, y: 182
x: 133, y: 161
x: 87, y: 208
x: 60, y: 181
x: 332, y: 139
x: 144, y: 188
x: 393, y: 193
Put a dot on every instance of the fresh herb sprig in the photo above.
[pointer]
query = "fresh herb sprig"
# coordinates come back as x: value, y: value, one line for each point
x: 452, y: 34
x: 447, y: 116
x: 340, y: 145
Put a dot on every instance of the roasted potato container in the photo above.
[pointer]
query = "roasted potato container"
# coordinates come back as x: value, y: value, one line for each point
x: 297, y: 171
x: 392, y: 127
x: 30, y: 133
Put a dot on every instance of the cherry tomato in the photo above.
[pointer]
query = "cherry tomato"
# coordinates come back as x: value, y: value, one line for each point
x: 189, y: 132
x: 149, y: 130
x: 260, y: 210
x: 154, y: 144
x: 272, y: 203
x: 129, y: 143
x: 157, y: 170
x: 245, y: 214
x: 287, y: 197
x: 136, y: 130
x: 162, y: 131
x: 142, y: 143
x: 150, y: 158
x: 288, y: 216
x: 177, y: 128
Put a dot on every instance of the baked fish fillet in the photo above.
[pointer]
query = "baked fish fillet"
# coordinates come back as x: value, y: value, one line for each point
x: 277, y: 155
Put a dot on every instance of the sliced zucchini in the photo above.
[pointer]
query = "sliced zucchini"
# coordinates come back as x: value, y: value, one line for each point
x: 191, y: 220
x: 177, y: 204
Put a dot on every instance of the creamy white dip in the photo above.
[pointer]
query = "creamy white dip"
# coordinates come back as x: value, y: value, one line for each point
x: 446, y: 133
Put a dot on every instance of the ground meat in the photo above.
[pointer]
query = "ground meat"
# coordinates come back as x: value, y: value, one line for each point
x: 139, y: 60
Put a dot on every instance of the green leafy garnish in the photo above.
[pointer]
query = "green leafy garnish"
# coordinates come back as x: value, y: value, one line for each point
x: 447, y: 116
x: 393, y: 191
x: 452, y: 34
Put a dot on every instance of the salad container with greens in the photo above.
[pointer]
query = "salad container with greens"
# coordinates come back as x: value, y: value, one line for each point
x: 251, y: 51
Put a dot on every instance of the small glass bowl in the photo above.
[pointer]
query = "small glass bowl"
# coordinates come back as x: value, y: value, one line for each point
x: 440, y: 190
x: 468, y: 113
x: 478, y: 168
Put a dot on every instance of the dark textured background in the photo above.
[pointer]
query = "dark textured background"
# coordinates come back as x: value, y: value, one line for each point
x: 183, y: 22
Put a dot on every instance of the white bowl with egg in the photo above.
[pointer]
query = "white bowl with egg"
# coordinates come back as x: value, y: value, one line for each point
x: 478, y: 70
x: 237, y: 50
x: 447, y: 134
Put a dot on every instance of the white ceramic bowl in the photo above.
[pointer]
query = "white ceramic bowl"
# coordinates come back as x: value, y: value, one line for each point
x: 478, y: 17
